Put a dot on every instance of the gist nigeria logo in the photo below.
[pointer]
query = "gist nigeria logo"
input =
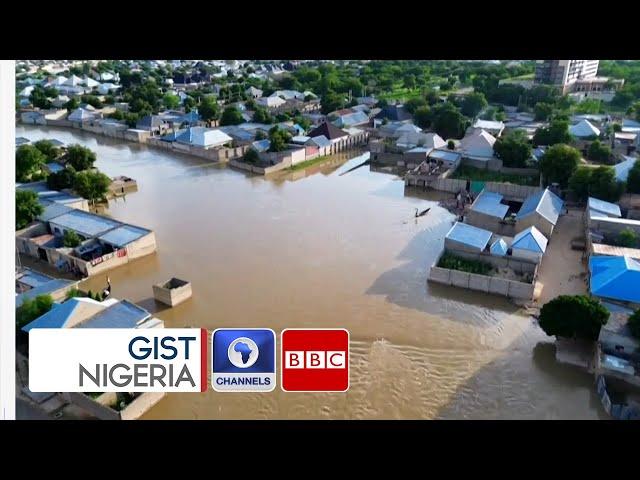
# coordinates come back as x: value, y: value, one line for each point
x: 243, y: 360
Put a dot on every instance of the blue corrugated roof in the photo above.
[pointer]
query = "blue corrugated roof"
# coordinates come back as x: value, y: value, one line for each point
x: 617, y: 278
x: 489, y: 204
x: 530, y: 239
x: 54, y: 167
x: 607, y: 208
x: 52, y: 210
x: 469, y: 235
x: 123, y: 235
x: 262, y: 145
x: 57, y: 317
x: 449, y: 156
x: 321, y: 141
x: 33, y: 278
x: 123, y: 314
x: 44, y: 289
x: 499, y: 247
x: 85, y: 223
x: 545, y: 203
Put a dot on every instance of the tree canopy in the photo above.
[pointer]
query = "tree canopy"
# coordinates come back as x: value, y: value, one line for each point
x: 634, y: 324
x: 27, y: 208
x: 32, y: 308
x: 573, y: 316
x: 29, y: 161
x: 558, y: 164
x: 513, y: 149
x: 209, y: 109
x: 80, y: 157
x: 231, y: 116
x: 633, y: 180
x: 598, y: 152
x: 279, y: 138
x: 473, y: 103
x: 48, y: 149
x: 556, y: 132
x: 91, y: 185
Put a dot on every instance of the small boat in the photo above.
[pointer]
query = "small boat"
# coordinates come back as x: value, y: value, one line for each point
x: 422, y: 213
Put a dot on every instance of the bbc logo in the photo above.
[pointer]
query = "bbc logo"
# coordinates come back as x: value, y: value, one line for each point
x: 315, y: 360
x: 318, y: 359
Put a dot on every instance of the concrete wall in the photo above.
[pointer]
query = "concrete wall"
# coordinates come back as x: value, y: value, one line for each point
x: 516, y: 264
x: 536, y: 220
x: 482, y: 220
x: 526, y: 255
x: 482, y: 283
x: 608, y: 227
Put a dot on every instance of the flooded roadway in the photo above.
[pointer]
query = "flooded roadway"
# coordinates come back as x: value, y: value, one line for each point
x: 326, y: 250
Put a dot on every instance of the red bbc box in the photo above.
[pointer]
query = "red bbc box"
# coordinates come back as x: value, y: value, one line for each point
x: 314, y: 359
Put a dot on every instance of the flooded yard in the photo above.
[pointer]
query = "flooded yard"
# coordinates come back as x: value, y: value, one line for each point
x: 317, y: 249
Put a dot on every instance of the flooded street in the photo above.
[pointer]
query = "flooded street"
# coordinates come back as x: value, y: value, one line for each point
x: 325, y: 250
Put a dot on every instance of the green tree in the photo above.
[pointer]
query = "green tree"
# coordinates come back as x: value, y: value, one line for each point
x: 603, y: 184
x: 262, y: 116
x: 209, y: 109
x: 580, y: 181
x: 32, y: 309
x: 633, y: 180
x: 513, y: 149
x: 278, y: 138
x: 414, y: 103
x: 556, y: 132
x: 231, y: 116
x: 598, y: 152
x: 92, y: 100
x: 72, y: 104
x: 634, y: 324
x: 38, y: 98
x: 573, y: 316
x: 558, y: 164
x: 331, y: 101
x: 422, y: 116
x: 627, y: 238
x: 27, y: 208
x: 48, y: 149
x: 62, y: 179
x: 70, y: 239
x: 260, y: 135
x: 171, y: 101
x: 29, y: 161
x: 91, y: 185
x: 448, y: 122
x: 542, y: 111
x: 473, y: 104
x: 251, y: 156
x: 617, y: 127
x: 80, y: 157
x: 451, y: 145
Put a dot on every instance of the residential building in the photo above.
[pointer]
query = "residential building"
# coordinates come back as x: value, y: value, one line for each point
x: 622, y: 169
x: 487, y: 211
x: 529, y: 244
x: 540, y: 210
x: 467, y: 238
x: 478, y: 146
x: 495, y: 128
x: 30, y: 284
x: 204, y: 137
x: 600, y: 208
x: 584, y: 129
x: 329, y: 131
x: 615, y: 279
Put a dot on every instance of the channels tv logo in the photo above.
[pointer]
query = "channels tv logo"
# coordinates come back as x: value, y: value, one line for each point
x: 315, y: 360
x: 243, y: 360
x: 117, y: 360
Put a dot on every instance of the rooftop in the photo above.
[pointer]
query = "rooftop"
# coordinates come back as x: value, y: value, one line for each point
x: 123, y: 235
x: 489, y: 204
x: 600, y: 206
x: 545, y: 203
x: 615, y: 277
x: 45, y: 288
x: 122, y: 314
x: 85, y: 223
x: 469, y: 235
x: 530, y: 239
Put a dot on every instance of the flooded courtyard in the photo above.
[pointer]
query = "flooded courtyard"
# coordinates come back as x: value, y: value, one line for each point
x: 320, y: 249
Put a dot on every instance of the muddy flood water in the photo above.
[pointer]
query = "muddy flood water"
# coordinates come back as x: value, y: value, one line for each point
x: 325, y: 250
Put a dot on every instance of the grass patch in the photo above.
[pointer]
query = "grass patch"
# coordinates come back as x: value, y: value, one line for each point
x: 308, y: 163
x: 470, y: 266
x: 480, y: 174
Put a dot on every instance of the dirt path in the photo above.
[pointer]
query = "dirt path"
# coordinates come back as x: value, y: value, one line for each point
x: 563, y: 271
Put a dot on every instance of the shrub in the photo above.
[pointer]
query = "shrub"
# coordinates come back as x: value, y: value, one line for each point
x: 453, y: 262
x: 627, y: 238
x: 573, y: 316
x: 32, y: 309
x: 70, y: 239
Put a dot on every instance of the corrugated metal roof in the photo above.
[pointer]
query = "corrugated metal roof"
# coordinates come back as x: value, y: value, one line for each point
x: 448, y: 156
x: 615, y: 277
x: 469, y: 235
x: 489, y: 204
x: 622, y: 169
x: 33, y: 278
x: 610, y: 209
x: 321, y: 141
x: 613, y: 251
x: 85, y: 223
x: 499, y: 248
x: 57, y: 317
x: 584, y: 129
x: 53, y: 210
x: 545, y: 203
x: 530, y: 239
x: 123, y: 314
x: 123, y: 235
x: 44, y: 289
x: 54, y: 167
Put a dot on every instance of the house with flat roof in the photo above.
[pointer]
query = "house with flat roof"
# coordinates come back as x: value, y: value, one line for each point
x: 82, y: 312
x: 30, y: 284
x: 105, y: 243
x: 601, y: 208
x: 541, y: 210
x: 467, y: 238
x: 487, y: 211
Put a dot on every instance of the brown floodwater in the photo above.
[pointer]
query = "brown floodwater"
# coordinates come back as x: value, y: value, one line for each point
x: 318, y: 249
